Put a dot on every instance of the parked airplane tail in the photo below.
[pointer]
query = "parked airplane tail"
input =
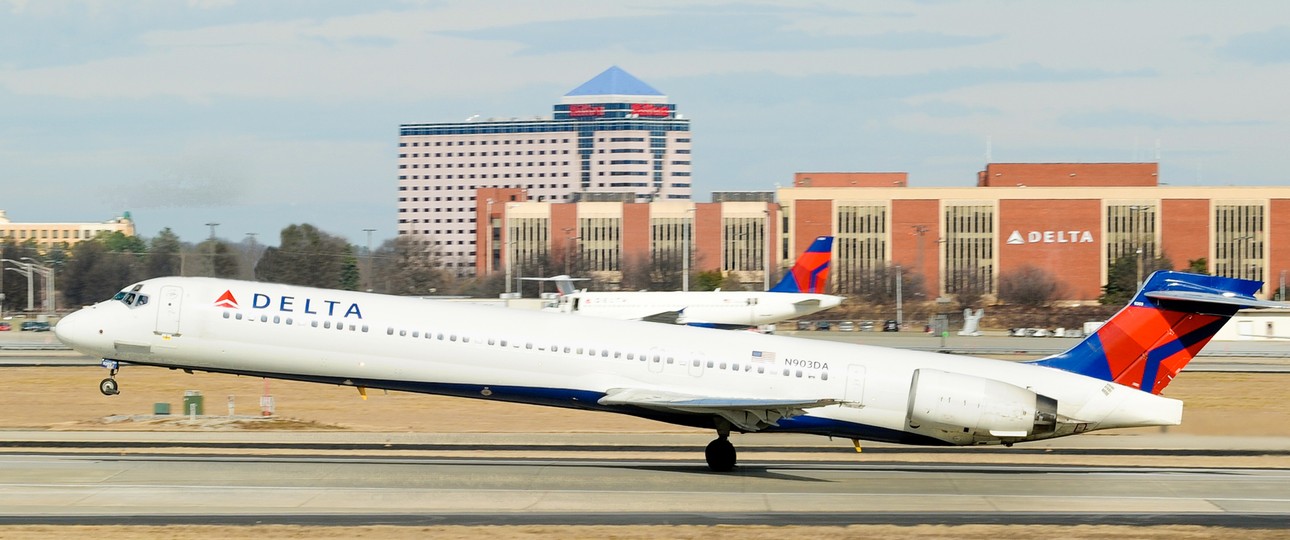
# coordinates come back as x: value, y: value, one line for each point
x: 1148, y: 342
x: 810, y: 274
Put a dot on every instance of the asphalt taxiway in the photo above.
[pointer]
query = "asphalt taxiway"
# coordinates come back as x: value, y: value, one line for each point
x: 77, y: 484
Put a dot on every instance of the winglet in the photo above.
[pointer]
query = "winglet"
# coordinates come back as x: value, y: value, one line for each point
x: 810, y: 274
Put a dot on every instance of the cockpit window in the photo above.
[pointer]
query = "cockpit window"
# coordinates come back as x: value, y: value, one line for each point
x: 131, y: 297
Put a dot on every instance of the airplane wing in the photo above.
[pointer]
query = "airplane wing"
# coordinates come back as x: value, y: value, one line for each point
x: 666, y: 317
x: 748, y: 414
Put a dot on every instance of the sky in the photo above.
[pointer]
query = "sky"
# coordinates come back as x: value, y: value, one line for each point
x: 256, y: 115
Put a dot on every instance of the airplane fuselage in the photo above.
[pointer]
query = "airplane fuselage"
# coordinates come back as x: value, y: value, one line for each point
x: 378, y: 341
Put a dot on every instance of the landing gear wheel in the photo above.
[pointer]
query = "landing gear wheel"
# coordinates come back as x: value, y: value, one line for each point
x: 109, y: 387
x: 721, y: 455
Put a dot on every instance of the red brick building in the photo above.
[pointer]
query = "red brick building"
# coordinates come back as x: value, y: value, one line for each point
x: 1070, y: 219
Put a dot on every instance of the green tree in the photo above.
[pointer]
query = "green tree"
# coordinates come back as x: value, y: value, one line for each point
x: 1198, y: 266
x: 310, y: 257
x: 163, y: 255
x: 1122, y: 277
x: 707, y: 280
x: 94, y: 273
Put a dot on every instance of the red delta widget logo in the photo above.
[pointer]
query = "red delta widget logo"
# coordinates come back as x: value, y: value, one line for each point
x: 291, y: 304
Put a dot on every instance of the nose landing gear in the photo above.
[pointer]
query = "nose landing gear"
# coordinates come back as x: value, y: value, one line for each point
x: 108, y: 386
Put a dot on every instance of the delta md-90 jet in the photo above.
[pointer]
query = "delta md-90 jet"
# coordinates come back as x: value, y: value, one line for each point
x: 798, y: 294
x: 713, y: 379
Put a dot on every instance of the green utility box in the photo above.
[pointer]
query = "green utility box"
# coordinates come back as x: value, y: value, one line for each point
x: 192, y: 403
x: 160, y: 409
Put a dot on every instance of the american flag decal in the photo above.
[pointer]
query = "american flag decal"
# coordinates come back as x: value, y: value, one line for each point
x: 763, y: 357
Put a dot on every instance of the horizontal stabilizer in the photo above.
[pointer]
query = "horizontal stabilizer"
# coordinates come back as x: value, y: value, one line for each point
x: 1227, y: 299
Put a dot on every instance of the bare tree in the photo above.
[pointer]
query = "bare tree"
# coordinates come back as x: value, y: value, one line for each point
x: 405, y: 266
x: 1029, y: 286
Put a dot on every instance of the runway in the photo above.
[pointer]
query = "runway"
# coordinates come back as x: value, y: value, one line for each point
x: 98, y: 489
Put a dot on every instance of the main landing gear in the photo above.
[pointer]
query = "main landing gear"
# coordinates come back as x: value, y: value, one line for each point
x: 108, y: 386
x: 720, y: 453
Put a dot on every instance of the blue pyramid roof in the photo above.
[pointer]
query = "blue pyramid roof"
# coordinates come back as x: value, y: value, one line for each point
x: 614, y: 82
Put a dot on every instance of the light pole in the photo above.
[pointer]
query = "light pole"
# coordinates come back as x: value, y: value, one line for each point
x: 46, y: 272
x: 369, y: 258
x: 687, y: 232
x: 900, y: 301
x: 507, y: 244
x: 568, y: 250
x: 765, y: 279
x: 26, y: 271
x: 212, y: 225
x: 250, y: 255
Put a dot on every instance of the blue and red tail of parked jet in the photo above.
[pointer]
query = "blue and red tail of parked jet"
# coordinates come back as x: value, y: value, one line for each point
x: 1148, y: 342
x: 811, y: 272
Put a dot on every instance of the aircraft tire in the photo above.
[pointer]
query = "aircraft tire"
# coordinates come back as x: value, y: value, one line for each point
x: 109, y: 387
x: 721, y: 455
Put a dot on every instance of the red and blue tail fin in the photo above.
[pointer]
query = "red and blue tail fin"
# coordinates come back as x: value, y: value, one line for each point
x: 1148, y: 342
x: 811, y: 272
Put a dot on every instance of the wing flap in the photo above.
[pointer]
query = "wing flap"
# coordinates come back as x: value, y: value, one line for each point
x: 748, y: 414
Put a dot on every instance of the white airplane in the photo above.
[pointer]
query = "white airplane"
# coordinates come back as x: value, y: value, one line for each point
x: 797, y: 295
x: 727, y: 381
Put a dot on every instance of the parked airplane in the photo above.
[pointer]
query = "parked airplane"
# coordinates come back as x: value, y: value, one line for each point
x: 800, y: 293
x: 727, y: 381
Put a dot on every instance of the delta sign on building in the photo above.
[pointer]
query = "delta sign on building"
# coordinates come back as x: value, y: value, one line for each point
x: 1069, y: 219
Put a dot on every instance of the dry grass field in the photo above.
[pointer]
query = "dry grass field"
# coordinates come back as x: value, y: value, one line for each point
x: 62, y: 398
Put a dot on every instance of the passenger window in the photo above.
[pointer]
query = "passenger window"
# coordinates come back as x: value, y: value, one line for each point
x: 311, y: 323
x: 452, y: 337
x: 528, y: 345
x: 403, y: 333
x: 824, y: 376
x: 416, y: 333
x: 264, y: 318
x: 289, y: 321
x: 761, y: 369
x: 239, y: 316
x: 723, y: 365
x: 786, y: 372
x: 389, y: 330
x: 669, y: 360
x: 277, y: 319
x: 799, y: 373
x: 365, y: 328
x: 226, y: 315
x: 710, y: 364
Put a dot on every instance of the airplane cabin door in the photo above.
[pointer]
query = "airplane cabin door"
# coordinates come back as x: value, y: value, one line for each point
x: 168, y: 310
x: 854, y: 393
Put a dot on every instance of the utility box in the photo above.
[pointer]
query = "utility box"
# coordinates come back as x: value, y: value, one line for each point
x: 193, y: 403
x: 160, y: 409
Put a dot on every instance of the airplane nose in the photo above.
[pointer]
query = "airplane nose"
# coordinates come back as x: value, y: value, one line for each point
x: 79, y: 332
